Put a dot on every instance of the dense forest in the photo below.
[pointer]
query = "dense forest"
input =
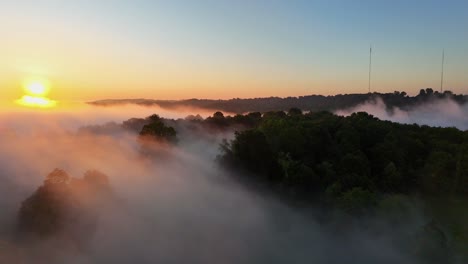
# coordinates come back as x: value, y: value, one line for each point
x: 358, y: 165
x: 323, y: 153
x: 319, y: 153
x: 306, y: 103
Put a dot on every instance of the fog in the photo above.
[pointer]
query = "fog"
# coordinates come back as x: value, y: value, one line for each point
x: 76, y: 115
x: 440, y: 112
x: 179, y: 207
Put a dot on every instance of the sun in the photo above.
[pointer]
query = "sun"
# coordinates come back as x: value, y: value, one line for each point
x: 36, y: 92
x: 37, y: 88
x: 34, y: 101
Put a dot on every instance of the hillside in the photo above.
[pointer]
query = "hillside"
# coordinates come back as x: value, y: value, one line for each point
x: 306, y: 103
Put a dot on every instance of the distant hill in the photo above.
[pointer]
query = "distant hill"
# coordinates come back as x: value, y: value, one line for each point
x: 307, y: 103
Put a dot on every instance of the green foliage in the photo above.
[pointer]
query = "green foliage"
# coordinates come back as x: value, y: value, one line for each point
x: 295, y: 112
x: 158, y: 131
x: 461, y: 180
x: 439, y: 172
x: 350, y: 158
x: 397, y: 209
x: 392, y: 178
x: 219, y: 121
x: 357, y: 201
x: 253, y: 151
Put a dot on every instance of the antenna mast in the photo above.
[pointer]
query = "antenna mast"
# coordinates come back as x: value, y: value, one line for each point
x: 442, y: 71
x: 370, y: 67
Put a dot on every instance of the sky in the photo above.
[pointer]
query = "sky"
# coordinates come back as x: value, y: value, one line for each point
x: 90, y: 50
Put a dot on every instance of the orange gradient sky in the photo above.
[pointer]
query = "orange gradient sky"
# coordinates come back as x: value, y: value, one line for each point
x: 90, y: 50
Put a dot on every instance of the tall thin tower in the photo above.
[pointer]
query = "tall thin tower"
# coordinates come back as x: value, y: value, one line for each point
x: 370, y: 67
x: 442, y: 72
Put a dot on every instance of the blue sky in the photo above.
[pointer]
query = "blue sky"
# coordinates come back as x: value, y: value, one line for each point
x: 238, y: 48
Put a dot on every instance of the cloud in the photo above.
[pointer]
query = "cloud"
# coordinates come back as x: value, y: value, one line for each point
x: 441, y: 113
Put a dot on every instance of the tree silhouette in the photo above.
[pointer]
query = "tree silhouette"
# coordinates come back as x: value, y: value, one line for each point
x: 64, y: 207
x: 156, y: 130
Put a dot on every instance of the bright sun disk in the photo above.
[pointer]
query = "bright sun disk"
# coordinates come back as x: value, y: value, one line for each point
x: 36, y: 88
x: 33, y: 101
x: 35, y: 96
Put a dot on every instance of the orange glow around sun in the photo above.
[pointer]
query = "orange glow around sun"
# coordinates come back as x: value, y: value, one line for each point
x: 36, y: 92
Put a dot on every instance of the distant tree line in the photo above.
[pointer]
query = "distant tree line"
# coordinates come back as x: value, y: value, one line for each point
x: 307, y: 103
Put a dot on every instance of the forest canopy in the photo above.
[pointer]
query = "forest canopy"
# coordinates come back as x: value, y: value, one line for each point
x: 355, y: 157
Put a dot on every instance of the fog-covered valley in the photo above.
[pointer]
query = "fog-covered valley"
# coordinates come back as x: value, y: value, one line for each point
x: 175, y: 203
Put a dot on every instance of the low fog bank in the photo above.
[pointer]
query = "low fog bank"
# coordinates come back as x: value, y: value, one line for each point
x: 72, y: 118
x: 177, y: 207
x: 439, y: 113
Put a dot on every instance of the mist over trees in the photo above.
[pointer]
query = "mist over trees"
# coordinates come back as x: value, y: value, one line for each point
x: 307, y: 103
x: 357, y: 164
x: 64, y: 208
x: 301, y: 178
x: 156, y: 130
x: 325, y: 153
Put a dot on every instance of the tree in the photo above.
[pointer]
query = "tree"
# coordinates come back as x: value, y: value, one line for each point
x: 391, y: 177
x: 253, y: 151
x: 461, y: 182
x: 154, y: 118
x: 218, y: 120
x: 357, y: 201
x: 295, y: 112
x: 315, y: 151
x: 439, y: 172
x: 158, y: 131
x: 65, y: 207
x: 354, y: 170
x: 135, y: 124
x: 57, y: 177
x: 96, y: 178
x: 218, y: 115
x: 429, y: 91
x: 45, y: 212
x: 422, y: 93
